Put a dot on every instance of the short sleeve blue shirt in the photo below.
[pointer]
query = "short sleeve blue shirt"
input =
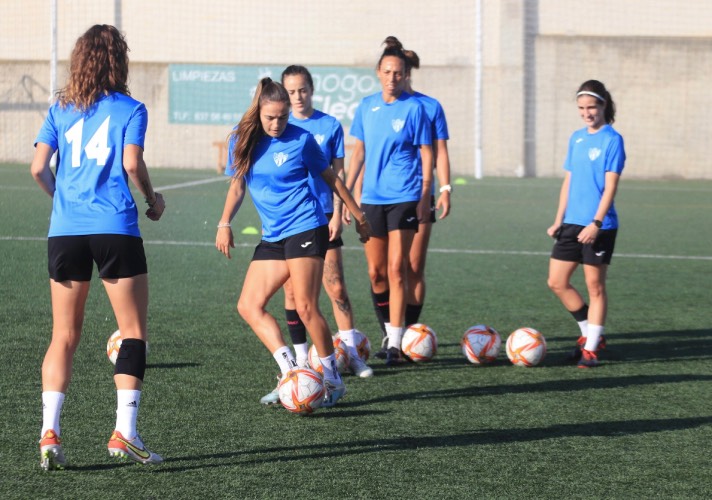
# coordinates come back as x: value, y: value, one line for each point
x: 278, y: 181
x: 392, y: 134
x: 330, y: 136
x: 92, y: 193
x: 589, y: 157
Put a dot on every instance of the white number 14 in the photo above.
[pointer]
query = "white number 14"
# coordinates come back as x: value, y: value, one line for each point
x: 96, y: 149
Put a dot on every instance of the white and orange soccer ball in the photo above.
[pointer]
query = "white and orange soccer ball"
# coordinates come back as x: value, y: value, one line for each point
x: 419, y: 343
x: 301, y: 391
x: 341, y: 352
x: 481, y: 344
x: 113, y: 345
x: 526, y: 347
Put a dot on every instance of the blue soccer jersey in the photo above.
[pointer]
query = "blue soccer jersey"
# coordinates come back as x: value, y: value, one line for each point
x: 278, y: 181
x: 392, y: 134
x: 92, y: 194
x: 589, y: 157
x: 438, y: 123
x: 330, y: 136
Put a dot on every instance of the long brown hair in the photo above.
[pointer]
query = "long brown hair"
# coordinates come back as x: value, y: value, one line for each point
x: 249, y: 131
x: 602, y: 95
x: 99, y: 65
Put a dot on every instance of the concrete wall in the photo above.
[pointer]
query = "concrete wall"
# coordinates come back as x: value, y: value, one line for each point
x: 653, y: 54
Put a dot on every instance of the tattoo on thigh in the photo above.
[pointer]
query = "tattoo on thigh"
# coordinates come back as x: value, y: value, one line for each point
x: 333, y: 273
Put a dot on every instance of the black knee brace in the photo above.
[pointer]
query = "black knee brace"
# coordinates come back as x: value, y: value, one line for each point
x: 131, y: 359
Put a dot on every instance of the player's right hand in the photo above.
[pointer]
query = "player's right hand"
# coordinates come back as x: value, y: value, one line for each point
x: 224, y: 241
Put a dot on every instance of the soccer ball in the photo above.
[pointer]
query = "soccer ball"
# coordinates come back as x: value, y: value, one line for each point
x: 363, y: 345
x: 481, y: 344
x: 419, y: 343
x: 301, y: 391
x: 526, y: 347
x: 114, y: 344
x: 341, y: 352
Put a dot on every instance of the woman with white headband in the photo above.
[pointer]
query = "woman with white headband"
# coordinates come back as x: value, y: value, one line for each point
x: 586, y: 222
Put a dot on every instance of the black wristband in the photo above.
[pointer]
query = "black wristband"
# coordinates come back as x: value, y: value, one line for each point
x: 598, y: 223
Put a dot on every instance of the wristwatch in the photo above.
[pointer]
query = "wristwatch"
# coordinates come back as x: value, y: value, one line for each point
x: 598, y: 223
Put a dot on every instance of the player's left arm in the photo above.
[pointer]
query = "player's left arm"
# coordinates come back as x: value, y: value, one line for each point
x: 590, y: 232
x: 426, y: 155
x: 442, y: 169
x: 137, y: 171
x: 337, y: 186
x: 335, y: 224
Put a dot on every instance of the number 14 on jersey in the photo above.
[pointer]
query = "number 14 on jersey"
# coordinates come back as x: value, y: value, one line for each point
x: 96, y: 149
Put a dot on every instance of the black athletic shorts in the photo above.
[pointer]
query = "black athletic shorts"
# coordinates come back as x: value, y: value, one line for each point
x: 387, y: 218
x: 338, y: 242
x: 568, y: 248
x: 312, y: 243
x: 71, y: 258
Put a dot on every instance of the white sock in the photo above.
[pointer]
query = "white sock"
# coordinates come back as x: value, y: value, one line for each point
x: 51, y: 408
x: 395, y: 334
x: 583, y: 326
x: 347, y: 336
x: 127, y: 403
x: 285, y: 359
x: 302, y: 352
x: 328, y: 364
x: 593, y: 337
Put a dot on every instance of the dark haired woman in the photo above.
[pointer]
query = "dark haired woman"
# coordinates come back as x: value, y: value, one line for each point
x: 390, y: 129
x: 586, y: 222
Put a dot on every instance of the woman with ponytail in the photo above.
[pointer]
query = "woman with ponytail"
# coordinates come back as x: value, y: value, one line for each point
x: 274, y: 159
x: 390, y: 129
x: 586, y: 222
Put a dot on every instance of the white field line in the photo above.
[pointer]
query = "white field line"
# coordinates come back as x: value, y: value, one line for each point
x: 453, y: 251
x: 159, y: 188
x: 191, y: 183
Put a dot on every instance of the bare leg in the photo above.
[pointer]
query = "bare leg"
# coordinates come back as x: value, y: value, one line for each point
x: 335, y: 286
x: 68, y: 301
x: 129, y: 300
x: 263, y: 279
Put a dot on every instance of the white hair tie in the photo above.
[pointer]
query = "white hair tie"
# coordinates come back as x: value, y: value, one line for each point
x: 588, y: 92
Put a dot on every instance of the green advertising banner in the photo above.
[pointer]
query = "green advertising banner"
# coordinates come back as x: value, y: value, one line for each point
x: 220, y: 94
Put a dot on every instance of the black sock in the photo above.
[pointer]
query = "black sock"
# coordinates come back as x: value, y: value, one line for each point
x: 581, y: 314
x: 381, y: 305
x: 412, y: 313
x: 297, y: 330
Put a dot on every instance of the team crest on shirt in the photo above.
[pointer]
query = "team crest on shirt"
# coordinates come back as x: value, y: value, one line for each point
x: 397, y: 124
x: 594, y: 153
x: 280, y: 158
x: 319, y: 138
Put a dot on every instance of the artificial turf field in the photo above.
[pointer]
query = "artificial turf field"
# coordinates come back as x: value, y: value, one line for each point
x: 638, y: 426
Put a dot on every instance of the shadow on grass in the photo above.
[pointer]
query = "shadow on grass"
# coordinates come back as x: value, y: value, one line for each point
x: 473, y: 438
x: 537, y: 387
x: 166, y: 366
